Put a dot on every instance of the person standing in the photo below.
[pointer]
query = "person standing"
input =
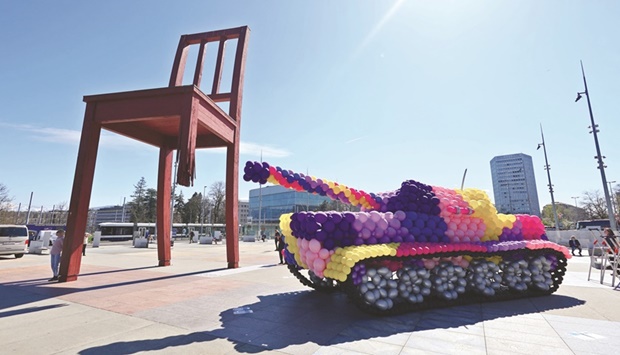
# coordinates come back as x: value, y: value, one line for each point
x: 85, y: 244
x: 280, y: 245
x: 56, y: 252
x: 574, y: 245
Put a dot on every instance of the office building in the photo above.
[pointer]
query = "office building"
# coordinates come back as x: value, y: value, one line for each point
x: 514, y: 184
x: 273, y: 201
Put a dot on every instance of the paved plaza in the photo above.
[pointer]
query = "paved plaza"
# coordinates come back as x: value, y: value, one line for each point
x: 122, y: 303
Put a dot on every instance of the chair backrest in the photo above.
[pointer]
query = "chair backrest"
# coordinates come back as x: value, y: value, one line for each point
x: 235, y: 95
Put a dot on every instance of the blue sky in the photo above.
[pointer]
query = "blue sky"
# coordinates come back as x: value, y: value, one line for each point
x: 365, y: 93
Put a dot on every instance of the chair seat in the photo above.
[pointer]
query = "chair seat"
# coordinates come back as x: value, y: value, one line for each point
x: 153, y: 116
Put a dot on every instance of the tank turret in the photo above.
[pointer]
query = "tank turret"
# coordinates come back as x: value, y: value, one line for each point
x: 417, y: 247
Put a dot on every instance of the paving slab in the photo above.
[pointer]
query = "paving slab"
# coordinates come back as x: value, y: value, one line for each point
x: 123, y: 303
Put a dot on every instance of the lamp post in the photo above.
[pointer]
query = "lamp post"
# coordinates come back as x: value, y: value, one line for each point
x: 611, y: 192
x: 575, y: 198
x: 547, y: 167
x: 202, y: 211
x: 598, y: 157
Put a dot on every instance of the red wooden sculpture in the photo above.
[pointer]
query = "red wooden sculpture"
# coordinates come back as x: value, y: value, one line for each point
x: 176, y: 117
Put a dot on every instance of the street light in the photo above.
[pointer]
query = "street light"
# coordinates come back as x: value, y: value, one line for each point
x: 599, y: 157
x: 575, y: 198
x: 611, y: 190
x: 547, y: 167
x: 202, y: 211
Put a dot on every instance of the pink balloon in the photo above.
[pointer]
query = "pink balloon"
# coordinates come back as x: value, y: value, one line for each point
x: 319, y: 264
x: 314, y: 245
x: 324, y: 254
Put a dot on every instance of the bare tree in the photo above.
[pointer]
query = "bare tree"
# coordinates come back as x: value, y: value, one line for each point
x: 5, y: 199
x: 217, y: 199
x: 594, y: 204
x: 5, y: 202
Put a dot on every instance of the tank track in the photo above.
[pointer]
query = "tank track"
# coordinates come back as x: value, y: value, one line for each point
x: 313, y: 281
x: 446, y: 285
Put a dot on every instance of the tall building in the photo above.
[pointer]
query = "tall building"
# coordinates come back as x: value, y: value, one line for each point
x: 273, y: 201
x: 514, y: 184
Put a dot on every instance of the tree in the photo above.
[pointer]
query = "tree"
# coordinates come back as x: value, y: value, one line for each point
x: 150, y: 205
x: 138, y: 202
x: 179, y: 207
x: 567, y: 215
x: 5, y: 202
x: 192, y: 209
x: 594, y: 204
x: 217, y: 202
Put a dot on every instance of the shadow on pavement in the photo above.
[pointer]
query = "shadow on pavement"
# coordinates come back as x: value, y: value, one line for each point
x: 296, y: 318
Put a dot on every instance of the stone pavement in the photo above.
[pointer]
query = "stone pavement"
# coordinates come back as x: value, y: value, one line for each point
x: 123, y: 304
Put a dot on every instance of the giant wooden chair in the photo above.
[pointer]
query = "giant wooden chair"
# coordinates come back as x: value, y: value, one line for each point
x: 176, y: 117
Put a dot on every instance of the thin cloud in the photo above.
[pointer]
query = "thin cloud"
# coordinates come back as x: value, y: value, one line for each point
x: 72, y: 137
x: 354, y: 140
x: 112, y: 140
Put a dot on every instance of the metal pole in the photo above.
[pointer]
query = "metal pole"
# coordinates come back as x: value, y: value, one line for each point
x: 599, y: 157
x: 463, y: 181
x: 611, y: 191
x: 548, y: 168
x: 202, y: 212
x: 30, y: 204
x: 575, y: 198
x: 123, y: 213
x: 260, y: 197
x: 18, y: 212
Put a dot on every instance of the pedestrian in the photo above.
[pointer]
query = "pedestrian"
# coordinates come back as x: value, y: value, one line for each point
x: 610, y: 239
x: 56, y: 252
x: 85, y: 244
x: 574, y: 245
x: 191, y: 237
x: 280, y: 246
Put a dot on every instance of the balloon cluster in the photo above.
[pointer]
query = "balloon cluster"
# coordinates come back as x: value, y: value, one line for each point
x: 448, y: 280
x: 263, y: 173
x: 412, y: 196
x: 378, y: 288
x: 483, y: 277
x: 416, y: 219
x: 414, y: 283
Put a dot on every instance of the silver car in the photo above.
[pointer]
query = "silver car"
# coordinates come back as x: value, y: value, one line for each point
x: 13, y: 239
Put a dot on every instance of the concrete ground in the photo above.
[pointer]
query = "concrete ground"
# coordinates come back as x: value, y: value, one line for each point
x: 122, y: 303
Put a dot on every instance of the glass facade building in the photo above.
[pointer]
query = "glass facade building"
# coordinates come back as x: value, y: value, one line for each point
x: 274, y: 201
x: 514, y: 184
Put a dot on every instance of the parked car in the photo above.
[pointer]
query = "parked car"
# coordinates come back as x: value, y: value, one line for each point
x: 13, y: 240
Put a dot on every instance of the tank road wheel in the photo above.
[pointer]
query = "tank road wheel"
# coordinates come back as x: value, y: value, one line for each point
x: 413, y: 283
x: 516, y: 275
x: 448, y: 280
x: 483, y: 277
x: 312, y: 280
x: 540, y: 268
x: 378, y: 289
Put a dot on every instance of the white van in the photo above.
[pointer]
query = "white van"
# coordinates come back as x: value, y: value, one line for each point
x: 13, y: 239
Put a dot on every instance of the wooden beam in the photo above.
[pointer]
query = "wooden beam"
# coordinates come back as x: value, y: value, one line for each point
x: 80, y: 197
x: 164, y: 192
